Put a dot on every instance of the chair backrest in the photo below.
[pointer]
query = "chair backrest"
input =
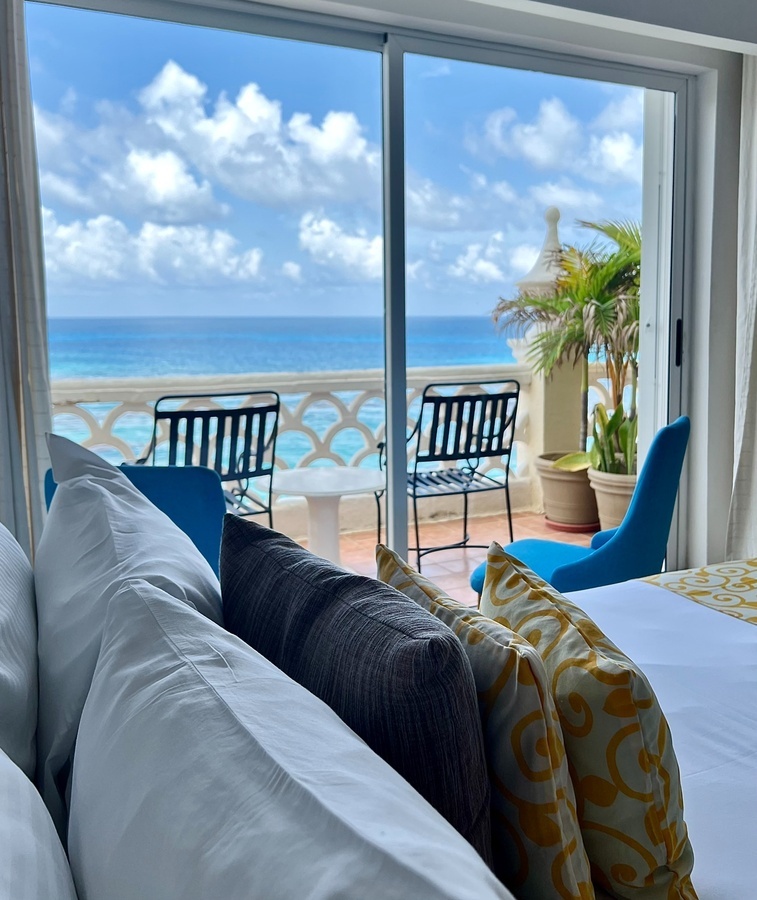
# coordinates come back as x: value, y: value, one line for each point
x: 475, y: 422
x: 650, y: 512
x: 238, y: 441
x: 191, y: 496
x: 639, y: 545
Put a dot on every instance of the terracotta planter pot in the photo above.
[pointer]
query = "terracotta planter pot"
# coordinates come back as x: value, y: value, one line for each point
x: 569, y: 501
x: 613, y: 494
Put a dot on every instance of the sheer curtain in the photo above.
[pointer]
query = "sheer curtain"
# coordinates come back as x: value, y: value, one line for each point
x: 24, y: 374
x: 741, y: 541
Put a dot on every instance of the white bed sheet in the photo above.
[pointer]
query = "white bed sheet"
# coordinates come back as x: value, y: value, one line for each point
x: 702, y: 665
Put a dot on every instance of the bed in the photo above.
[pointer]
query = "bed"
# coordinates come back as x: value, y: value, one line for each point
x: 694, y: 634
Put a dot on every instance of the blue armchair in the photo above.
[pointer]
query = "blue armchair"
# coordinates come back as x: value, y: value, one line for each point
x: 635, y: 548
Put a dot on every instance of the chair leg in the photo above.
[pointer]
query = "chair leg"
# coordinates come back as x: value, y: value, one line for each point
x: 378, y: 516
x: 509, y: 512
x: 417, y: 533
x: 465, y: 519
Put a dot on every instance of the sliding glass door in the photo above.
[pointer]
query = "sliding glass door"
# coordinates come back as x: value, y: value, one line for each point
x: 293, y: 204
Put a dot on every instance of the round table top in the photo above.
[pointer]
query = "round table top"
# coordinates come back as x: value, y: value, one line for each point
x: 328, y: 481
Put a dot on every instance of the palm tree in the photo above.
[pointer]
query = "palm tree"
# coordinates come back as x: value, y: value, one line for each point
x: 592, y: 309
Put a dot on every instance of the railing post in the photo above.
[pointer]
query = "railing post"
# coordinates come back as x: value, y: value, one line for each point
x: 554, y: 413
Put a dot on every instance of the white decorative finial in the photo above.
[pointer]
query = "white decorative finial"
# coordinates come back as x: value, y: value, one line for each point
x: 541, y: 278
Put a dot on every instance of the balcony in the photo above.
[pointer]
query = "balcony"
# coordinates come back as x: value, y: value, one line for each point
x: 337, y: 418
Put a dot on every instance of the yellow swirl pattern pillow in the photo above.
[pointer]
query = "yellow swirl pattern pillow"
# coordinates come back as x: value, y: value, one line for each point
x: 619, y: 747
x: 537, y: 847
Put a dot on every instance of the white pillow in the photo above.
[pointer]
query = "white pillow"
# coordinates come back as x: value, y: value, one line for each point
x: 18, y: 654
x: 33, y: 865
x: 100, y: 530
x: 203, y: 771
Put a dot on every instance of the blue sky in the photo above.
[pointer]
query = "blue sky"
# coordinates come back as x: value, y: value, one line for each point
x: 195, y: 171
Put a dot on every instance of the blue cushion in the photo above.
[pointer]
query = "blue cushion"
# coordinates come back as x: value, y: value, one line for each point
x: 542, y: 557
x: 191, y: 496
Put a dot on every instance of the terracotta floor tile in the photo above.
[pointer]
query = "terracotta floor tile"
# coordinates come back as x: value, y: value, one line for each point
x: 451, y: 569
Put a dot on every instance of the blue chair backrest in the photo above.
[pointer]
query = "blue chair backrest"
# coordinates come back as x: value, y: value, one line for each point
x: 191, y: 496
x: 640, y: 542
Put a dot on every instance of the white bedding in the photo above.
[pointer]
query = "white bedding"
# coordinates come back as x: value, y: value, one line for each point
x: 702, y: 665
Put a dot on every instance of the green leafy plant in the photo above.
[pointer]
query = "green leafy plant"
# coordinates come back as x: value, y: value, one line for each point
x: 593, y: 309
x: 613, y: 447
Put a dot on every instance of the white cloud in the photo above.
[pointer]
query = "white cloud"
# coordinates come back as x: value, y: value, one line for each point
x: 547, y: 142
x: 247, y: 146
x: 566, y: 196
x: 414, y: 270
x: 504, y: 191
x: 485, y: 189
x: 193, y: 254
x: 357, y: 256
x: 110, y: 169
x: 292, y: 271
x: 68, y: 102
x: 52, y: 134
x: 479, y: 263
x: 623, y: 113
x: 173, y: 99
x: 496, y: 128
x: 160, y: 186
x: 614, y: 156
x: 102, y: 249
x: 602, y: 151
x: 427, y: 205
x: 95, y: 250
x: 66, y: 191
x: 163, y: 161
x: 337, y: 140
x: 522, y: 258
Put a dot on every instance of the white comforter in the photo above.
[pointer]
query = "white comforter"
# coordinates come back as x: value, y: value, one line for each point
x: 702, y: 665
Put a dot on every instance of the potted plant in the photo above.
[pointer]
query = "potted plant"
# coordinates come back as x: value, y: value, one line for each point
x: 590, y: 309
x: 610, y: 463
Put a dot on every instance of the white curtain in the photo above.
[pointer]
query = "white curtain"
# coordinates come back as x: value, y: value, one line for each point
x: 741, y: 540
x: 24, y: 374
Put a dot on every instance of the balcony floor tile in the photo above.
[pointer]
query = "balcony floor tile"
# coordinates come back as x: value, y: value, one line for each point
x: 451, y: 569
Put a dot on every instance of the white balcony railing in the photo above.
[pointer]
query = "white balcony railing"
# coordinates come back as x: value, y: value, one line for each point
x: 336, y: 417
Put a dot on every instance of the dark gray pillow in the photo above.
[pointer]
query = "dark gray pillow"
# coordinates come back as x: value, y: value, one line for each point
x: 392, y: 671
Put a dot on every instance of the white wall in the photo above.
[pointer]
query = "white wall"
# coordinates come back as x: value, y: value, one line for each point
x: 728, y: 24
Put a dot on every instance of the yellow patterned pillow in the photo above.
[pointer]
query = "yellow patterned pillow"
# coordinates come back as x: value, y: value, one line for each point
x: 537, y: 847
x: 619, y: 747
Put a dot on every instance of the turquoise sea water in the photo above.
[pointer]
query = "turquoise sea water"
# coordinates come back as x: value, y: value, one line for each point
x: 147, y: 347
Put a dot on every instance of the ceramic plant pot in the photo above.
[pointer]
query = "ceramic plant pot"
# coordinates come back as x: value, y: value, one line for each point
x: 569, y: 501
x: 613, y: 493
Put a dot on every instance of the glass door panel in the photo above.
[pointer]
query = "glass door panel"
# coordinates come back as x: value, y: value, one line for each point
x: 492, y: 153
x: 212, y: 217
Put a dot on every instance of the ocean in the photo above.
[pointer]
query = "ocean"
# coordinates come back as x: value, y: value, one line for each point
x: 149, y: 347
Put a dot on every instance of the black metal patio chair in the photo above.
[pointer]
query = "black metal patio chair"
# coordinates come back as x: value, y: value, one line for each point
x: 234, y: 434
x: 461, y: 428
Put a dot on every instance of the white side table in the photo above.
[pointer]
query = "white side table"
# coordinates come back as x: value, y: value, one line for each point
x: 323, y: 487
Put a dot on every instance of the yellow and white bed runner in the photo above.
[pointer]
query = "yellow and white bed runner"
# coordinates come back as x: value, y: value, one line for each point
x: 730, y: 588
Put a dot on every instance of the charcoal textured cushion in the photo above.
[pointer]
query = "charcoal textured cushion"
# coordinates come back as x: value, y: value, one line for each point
x: 389, y: 669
